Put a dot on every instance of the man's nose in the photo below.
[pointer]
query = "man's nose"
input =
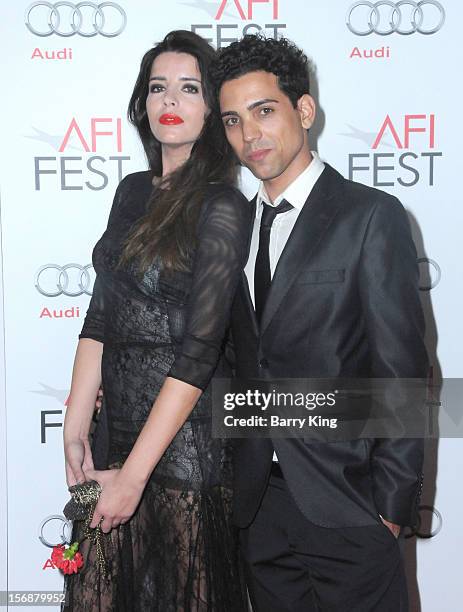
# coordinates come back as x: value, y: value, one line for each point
x: 251, y: 131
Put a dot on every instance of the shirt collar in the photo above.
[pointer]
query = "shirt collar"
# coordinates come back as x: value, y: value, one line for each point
x: 298, y: 191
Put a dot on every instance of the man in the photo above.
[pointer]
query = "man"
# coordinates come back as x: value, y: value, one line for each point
x: 330, y: 290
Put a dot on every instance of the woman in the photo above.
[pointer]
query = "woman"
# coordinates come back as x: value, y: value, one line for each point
x: 167, y: 269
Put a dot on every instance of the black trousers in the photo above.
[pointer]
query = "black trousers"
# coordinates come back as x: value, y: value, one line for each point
x: 293, y: 565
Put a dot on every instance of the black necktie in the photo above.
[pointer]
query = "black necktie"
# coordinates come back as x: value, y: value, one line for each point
x: 262, y: 276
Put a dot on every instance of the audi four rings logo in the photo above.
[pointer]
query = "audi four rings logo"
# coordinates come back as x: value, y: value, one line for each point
x: 430, y: 273
x: 72, y: 280
x: 55, y: 530
x: 45, y: 19
x: 429, y: 523
x: 404, y: 17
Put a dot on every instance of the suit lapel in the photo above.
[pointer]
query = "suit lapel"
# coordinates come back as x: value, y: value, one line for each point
x: 319, y: 210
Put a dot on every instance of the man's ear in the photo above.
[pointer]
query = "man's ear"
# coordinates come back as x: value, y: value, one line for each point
x: 306, y: 108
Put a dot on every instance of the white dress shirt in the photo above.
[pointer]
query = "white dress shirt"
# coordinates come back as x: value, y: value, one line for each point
x: 296, y: 194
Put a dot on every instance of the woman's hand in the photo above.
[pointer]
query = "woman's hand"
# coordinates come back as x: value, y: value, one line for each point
x: 118, y: 501
x: 78, y: 460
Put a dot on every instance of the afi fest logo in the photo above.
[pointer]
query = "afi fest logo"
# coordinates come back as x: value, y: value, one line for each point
x: 385, y: 18
x: 76, y: 173
x: 221, y: 34
x: 413, y: 159
x: 51, y: 419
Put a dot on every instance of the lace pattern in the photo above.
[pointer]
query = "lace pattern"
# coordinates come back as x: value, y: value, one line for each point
x: 179, y: 551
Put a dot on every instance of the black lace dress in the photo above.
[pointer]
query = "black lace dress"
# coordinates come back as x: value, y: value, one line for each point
x: 178, y: 552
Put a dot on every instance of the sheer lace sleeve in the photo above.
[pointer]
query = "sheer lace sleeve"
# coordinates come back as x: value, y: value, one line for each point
x: 220, y: 256
x: 93, y: 326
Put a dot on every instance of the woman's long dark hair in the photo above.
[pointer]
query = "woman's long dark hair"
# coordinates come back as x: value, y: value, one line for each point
x: 168, y: 228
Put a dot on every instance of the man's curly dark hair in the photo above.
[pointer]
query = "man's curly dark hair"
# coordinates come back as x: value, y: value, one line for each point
x: 256, y: 52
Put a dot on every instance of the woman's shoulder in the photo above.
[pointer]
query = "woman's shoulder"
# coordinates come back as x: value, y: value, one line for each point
x: 217, y: 189
x: 226, y: 197
x: 141, y: 180
x: 224, y: 208
x: 134, y: 188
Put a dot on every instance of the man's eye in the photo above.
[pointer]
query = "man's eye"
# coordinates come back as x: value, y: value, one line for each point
x: 156, y: 88
x: 266, y: 110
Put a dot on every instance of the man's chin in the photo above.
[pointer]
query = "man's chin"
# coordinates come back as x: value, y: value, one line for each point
x: 263, y: 174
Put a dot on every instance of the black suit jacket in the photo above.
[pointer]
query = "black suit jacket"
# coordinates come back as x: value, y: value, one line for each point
x: 344, y: 302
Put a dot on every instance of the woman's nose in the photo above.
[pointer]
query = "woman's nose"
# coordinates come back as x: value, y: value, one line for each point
x: 169, y: 99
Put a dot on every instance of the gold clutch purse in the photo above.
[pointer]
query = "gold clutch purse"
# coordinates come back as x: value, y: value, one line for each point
x: 81, y: 506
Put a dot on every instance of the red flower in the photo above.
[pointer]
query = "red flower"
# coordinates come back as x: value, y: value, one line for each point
x: 68, y: 560
x: 57, y: 555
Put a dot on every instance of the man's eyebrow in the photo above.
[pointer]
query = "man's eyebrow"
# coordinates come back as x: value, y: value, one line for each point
x: 250, y: 107
x: 162, y: 78
x: 259, y: 102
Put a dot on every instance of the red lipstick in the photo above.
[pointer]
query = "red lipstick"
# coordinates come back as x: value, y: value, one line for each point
x: 170, y: 119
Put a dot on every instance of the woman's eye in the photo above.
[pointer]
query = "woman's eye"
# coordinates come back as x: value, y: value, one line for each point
x: 266, y: 110
x: 156, y: 88
x: 231, y: 121
x: 191, y: 88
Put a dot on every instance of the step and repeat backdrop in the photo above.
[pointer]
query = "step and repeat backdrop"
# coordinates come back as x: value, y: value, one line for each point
x: 387, y: 81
